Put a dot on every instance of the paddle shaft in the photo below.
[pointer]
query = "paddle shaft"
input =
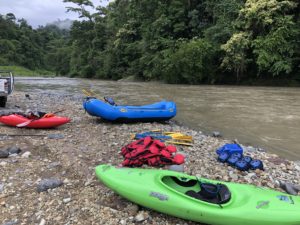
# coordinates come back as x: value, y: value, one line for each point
x: 23, y: 135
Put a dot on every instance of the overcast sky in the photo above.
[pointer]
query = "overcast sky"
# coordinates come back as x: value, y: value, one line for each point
x: 40, y: 12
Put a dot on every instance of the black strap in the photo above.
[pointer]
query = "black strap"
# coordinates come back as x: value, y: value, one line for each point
x: 217, y: 192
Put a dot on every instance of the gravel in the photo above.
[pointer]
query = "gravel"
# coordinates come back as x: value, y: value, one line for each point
x: 4, y: 153
x: 177, y: 168
x: 14, y: 150
x: 87, y: 142
x: 14, y: 222
x: 1, y: 187
x: 26, y: 154
x: 56, y: 136
x: 49, y: 183
x: 216, y: 134
x: 66, y: 200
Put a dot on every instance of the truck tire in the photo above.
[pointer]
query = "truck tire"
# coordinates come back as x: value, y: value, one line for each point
x: 3, y: 100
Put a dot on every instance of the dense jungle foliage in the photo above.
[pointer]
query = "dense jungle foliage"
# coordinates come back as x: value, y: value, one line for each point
x: 177, y: 41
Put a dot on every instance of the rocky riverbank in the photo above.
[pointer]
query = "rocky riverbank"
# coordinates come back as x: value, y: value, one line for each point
x: 69, y: 154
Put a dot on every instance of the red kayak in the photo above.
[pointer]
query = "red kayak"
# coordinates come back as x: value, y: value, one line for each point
x: 43, y: 122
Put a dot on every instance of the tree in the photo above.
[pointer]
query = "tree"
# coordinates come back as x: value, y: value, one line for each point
x: 81, y: 9
x: 236, y: 54
x: 191, y: 63
x: 268, y: 35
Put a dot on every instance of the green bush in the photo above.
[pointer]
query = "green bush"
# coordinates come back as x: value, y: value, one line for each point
x: 191, y: 63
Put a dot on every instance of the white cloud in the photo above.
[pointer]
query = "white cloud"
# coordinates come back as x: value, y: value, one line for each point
x: 40, y: 12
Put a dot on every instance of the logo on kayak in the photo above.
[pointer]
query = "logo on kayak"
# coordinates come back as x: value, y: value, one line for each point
x: 123, y: 110
x: 262, y: 204
x: 285, y: 198
x: 160, y: 196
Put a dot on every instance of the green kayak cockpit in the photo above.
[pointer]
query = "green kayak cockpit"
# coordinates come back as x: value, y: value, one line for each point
x: 203, y: 191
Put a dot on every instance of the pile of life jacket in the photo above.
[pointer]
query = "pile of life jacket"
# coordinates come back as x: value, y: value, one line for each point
x: 148, y: 151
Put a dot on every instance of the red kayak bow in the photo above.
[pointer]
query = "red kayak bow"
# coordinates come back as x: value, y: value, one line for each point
x: 44, y: 122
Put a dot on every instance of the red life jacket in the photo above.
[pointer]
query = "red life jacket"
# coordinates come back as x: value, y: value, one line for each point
x: 150, y: 152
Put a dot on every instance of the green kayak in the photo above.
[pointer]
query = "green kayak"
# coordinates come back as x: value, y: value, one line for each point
x: 201, y: 200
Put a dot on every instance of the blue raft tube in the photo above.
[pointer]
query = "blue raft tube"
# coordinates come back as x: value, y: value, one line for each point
x: 159, y: 111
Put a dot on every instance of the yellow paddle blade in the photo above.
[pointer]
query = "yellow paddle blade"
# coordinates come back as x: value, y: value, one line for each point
x: 171, y: 132
x: 159, y: 131
x: 165, y: 132
x: 178, y: 143
x: 179, y: 136
x: 89, y: 93
x: 176, y: 135
x: 86, y: 92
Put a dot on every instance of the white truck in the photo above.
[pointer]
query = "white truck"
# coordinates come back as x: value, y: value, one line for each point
x: 6, y: 86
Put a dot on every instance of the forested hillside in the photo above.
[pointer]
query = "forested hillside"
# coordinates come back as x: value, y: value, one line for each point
x: 177, y: 41
x: 32, y: 48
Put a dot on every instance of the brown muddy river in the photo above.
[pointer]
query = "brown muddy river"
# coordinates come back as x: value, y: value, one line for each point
x: 267, y: 117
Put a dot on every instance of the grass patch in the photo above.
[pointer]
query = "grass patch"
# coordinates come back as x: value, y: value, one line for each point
x: 22, y: 71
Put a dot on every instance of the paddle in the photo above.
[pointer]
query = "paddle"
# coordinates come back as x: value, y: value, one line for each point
x: 92, y: 94
x: 86, y: 93
x: 89, y: 93
x: 24, y: 124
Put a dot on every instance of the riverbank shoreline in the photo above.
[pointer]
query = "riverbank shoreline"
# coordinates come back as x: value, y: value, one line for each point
x: 21, y: 71
x: 87, y: 142
x: 131, y: 79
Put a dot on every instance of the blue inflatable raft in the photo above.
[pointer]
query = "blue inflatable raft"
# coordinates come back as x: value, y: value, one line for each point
x: 159, y: 111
